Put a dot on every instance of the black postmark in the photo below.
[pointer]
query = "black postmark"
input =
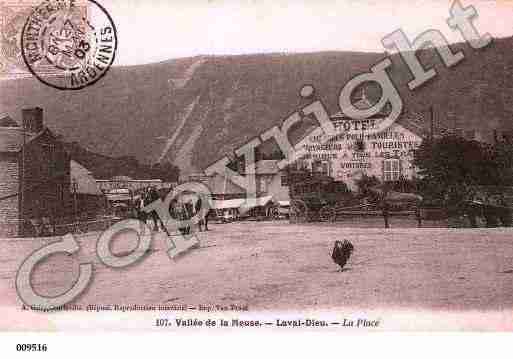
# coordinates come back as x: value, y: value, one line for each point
x: 69, y: 44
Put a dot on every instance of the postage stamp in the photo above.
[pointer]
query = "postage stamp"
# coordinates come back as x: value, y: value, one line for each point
x: 69, y: 45
x: 13, y: 16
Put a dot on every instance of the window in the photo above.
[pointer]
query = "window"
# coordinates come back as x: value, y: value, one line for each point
x: 262, y: 184
x: 391, y: 170
x: 60, y: 194
x: 301, y: 165
x: 321, y: 167
x: 50, y: 155
x: 284, y: 180
x: 359, y: 145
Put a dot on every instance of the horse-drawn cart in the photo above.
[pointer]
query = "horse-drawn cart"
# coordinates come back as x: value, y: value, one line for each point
x: 312, y: 198
x: 320, y: 198
x: 395, y: 203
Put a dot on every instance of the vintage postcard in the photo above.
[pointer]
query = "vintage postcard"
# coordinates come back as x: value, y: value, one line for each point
x: 220, y: 165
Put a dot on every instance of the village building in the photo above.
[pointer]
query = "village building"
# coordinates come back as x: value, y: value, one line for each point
x: 271, y: 189
x: 269, y: 180
x: 34, y: 175
x: 88, y: 200
x: 42, y: 189
x: 134, y: 185
x: 387, y: 155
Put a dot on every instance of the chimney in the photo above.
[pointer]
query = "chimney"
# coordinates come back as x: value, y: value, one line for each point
x: 32, y: 119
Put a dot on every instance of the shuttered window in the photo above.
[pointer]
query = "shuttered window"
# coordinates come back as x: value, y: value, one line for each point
x: 391, y: 170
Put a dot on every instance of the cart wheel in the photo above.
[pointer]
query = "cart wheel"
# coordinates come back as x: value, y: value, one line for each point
x: 327, y: 214
x: 274, y: 213
x: 298, y: 211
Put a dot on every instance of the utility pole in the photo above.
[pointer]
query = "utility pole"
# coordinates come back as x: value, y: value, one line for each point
x: 74, y: 186
x: 432, y: 124
x: 22, y: 182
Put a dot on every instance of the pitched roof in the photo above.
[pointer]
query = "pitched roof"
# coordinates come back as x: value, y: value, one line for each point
x: 86, y: 184
x: 415, y: 125
x: 7, y: 121
x: 362, y: 103
x: 264, y: 167
x: 11, y: 138
x: 411, y: 122
x: 33, y: 136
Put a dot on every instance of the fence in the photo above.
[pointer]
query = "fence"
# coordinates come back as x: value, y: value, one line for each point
x: 44, y: 227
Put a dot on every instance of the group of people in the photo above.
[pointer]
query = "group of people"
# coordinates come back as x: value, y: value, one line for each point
x: 177, y: 210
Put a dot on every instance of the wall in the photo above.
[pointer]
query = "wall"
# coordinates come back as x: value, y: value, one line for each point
x: 347, y: 163
x: 8, y: 186
x: 274, y: 187
x: 46, y: 181
x: 221, y: 187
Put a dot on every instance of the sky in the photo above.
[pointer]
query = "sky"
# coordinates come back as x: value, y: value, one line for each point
x: 157, y: 30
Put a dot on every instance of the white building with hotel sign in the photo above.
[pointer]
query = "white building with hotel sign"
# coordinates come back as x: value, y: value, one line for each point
x: 388, y: 155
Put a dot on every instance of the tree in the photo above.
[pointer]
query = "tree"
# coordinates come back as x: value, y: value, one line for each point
x: 405, y: 185
x: 365, y: 183
x: 450, y: 165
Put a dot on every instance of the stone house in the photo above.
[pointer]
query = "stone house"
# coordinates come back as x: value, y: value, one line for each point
x: 34, y: 176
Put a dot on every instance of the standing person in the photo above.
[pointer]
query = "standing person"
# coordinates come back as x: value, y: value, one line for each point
x: 505, y: 214
x: 386, y: 213
x: 205, y: 220
x: 152, y: 196
x: 471, y: 210
x: 197, y: 209
x: 141, y: 214
x: 182, y: 217
x: 418, y: 216
x: 189, y: 208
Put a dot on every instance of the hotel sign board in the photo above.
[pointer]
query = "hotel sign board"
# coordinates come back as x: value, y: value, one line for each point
x: 352, y: 155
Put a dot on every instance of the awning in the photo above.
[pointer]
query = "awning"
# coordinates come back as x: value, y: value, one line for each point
x: 118, y: 197
x: 86, y: 184
x: 243, y: 203
x: 257, y: 202
x: 229, y: 203
x: 120, y: 204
